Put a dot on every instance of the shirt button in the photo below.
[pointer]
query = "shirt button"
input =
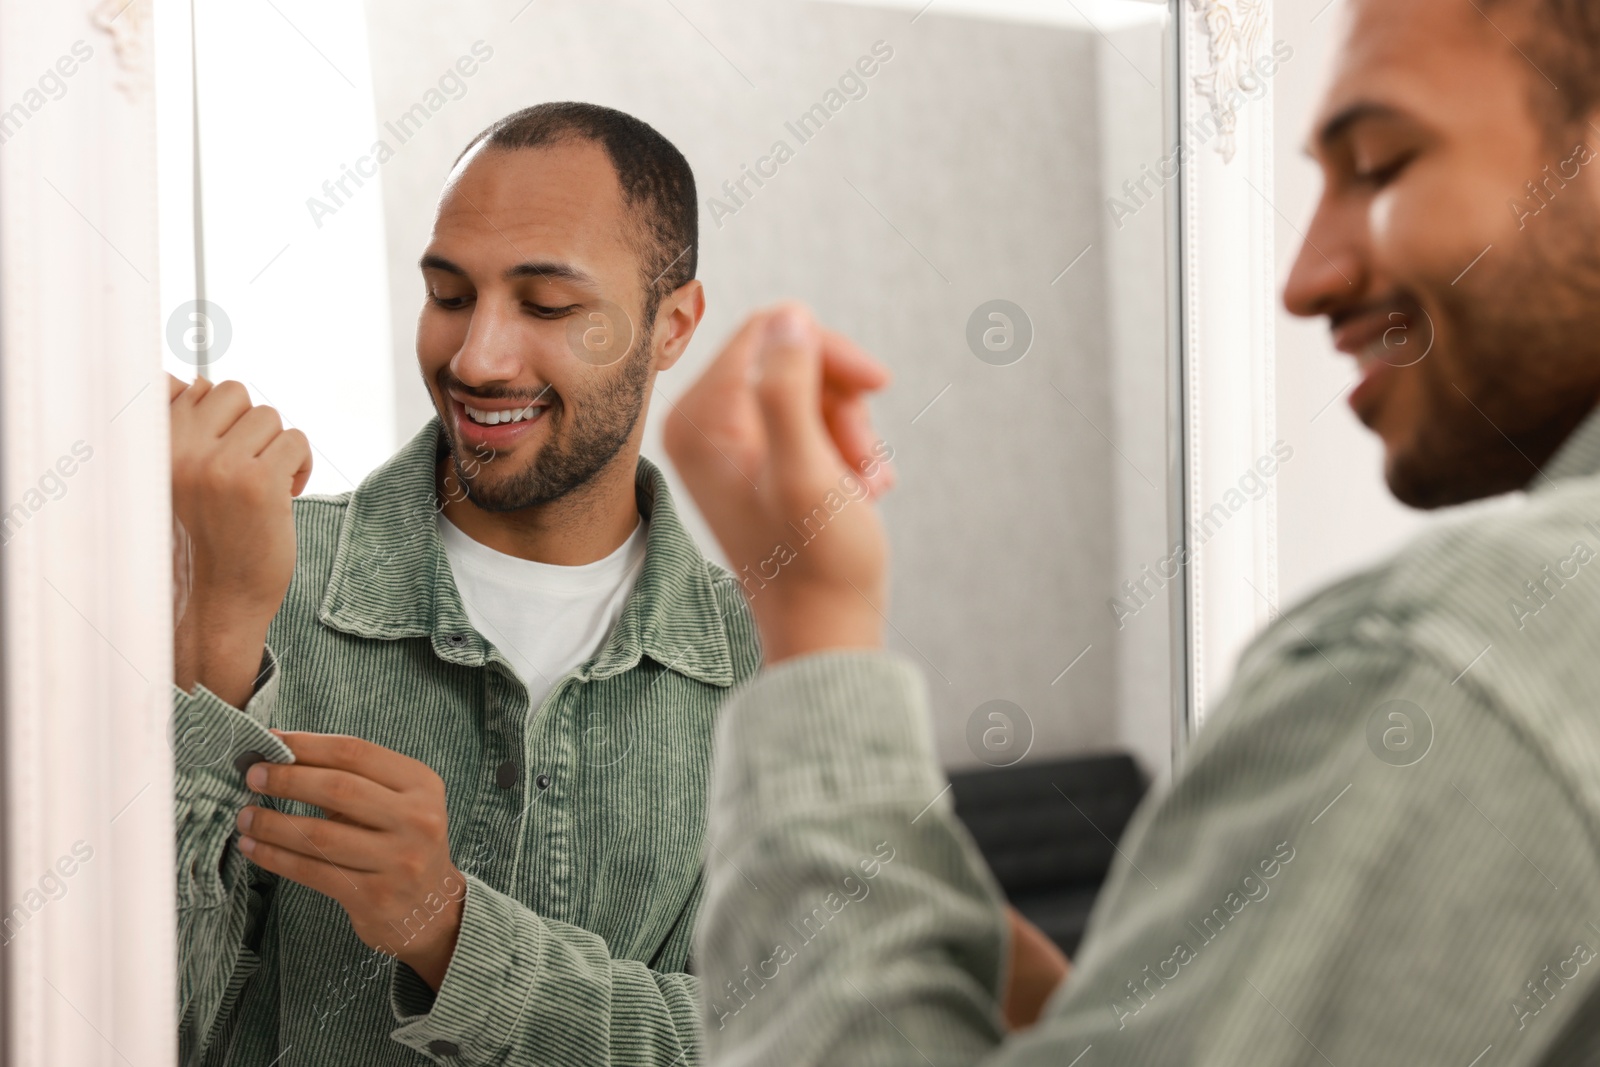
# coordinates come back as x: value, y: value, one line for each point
x: 543, y: 781
x: 456, y: 640
x: 506, y: 775
x: 440, y: 1047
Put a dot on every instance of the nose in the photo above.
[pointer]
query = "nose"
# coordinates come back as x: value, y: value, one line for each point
x: 489, y: 354
x: 1329, y: 271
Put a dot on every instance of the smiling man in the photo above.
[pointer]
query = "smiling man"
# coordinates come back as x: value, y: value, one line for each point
x: 442, y: 741
x: 1384, y: 848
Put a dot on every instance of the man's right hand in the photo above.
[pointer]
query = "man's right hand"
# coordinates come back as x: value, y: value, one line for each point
x: 235, y: 470
x: 770, y: 441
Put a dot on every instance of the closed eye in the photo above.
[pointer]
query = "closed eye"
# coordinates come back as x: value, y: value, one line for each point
x: 1378, y: 177
x: 549, y: 312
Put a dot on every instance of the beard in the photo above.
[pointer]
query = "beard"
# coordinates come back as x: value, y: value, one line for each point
x: 1518, y: 365
x: 579, y: 445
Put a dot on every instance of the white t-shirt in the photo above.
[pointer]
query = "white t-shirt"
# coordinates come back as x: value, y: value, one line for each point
x: 543, y: 618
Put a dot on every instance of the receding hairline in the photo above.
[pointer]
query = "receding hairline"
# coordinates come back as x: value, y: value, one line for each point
x: 634, y: 221
x: 567, y: 140
x: 656, y: 185
x: 563, y: 137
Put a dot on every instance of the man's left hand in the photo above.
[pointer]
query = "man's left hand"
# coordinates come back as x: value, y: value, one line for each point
x: 1036, y: 968
x: 383, y: 852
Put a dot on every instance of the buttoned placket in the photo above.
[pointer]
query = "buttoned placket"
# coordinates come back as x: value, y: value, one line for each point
x: 519, y: 749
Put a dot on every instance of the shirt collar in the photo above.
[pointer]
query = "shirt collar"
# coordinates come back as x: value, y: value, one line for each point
x: 391, y: 579
x: 1578, y: 456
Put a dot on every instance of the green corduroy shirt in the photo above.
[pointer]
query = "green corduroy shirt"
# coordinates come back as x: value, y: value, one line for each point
x: 1382, y: 849
x: 579, y: 824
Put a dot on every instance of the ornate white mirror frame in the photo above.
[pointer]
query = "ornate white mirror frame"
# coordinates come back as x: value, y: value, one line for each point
x: 86, y: 913
x: 1222, y: 377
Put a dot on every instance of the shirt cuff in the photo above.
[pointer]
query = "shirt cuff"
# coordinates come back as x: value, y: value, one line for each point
x: 832, y: 729
x: 491, y: 974
x: 214, y: 743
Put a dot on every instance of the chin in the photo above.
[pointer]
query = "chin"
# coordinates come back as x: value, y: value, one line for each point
x: 1426, y: 479
x: 1416, y: 490
x: 492, y: 495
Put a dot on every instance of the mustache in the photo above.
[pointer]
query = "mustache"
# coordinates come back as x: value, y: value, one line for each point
x: 449, y: 383
x: 1404, y: 303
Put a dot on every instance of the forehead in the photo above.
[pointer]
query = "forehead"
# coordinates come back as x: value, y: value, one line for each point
x: 1448, y: 64
x: 556, y: 200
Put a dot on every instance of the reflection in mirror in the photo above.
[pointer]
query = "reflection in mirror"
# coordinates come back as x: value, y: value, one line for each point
x: 508, y: 618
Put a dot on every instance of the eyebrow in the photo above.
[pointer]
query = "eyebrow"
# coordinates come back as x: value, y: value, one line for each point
x: 1340, y: 124
x: 554, y: 270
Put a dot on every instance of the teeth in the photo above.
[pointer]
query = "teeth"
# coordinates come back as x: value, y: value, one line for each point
x: 495, y: 418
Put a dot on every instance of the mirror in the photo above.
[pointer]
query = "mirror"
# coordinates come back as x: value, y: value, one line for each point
x: 976, y: 192
x: 999, y: 239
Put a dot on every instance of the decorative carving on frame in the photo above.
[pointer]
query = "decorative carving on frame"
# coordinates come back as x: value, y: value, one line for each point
x: 127, y: 23
x: 1234, y: 31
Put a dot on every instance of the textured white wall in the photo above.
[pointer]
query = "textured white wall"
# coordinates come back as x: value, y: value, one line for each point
x: 971, y: 170
x: 1131, y: 81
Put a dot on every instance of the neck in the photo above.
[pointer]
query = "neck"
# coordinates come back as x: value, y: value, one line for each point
x: 586, y: 525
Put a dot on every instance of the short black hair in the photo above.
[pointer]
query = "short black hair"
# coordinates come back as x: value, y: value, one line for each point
x: 657, y: 184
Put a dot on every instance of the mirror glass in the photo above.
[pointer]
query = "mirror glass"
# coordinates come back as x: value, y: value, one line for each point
x: 975, y: 191
x: 985, y: 211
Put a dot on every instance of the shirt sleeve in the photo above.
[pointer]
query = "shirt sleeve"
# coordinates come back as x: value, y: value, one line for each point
x: 221, y: 906
x: 522, y: 989
x: 1362, y: 861
x: 848, y: 918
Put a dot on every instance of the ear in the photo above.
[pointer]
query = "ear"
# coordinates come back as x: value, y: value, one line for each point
x: 676, y: 320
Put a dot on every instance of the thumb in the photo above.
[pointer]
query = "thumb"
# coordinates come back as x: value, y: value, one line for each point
x: 789, y: 390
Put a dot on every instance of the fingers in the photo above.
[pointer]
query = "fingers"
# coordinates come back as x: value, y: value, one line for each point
x: 815, y: 385
x: 847, y: 373
x: 732, y: 367
x: 339, y: 843
x: 845, y: 365
x: 384, y: 766
x: 326, y: 878
x: 218, y: 407
x: 190, y: 394
x: 175, y: 387
x: 849, y: 423
x: 290, y: 453
x: 359, y: 799
x: 241, y: 430
x: 254, y: 431
x: 713, y: 433
x: 715, y: 397
x: 789, y: 390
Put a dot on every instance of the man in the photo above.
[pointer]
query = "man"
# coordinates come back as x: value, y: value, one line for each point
x: 1385, y: 847
x: 443, y: 740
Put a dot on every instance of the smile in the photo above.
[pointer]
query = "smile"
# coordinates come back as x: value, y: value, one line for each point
x: 495, y: 418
